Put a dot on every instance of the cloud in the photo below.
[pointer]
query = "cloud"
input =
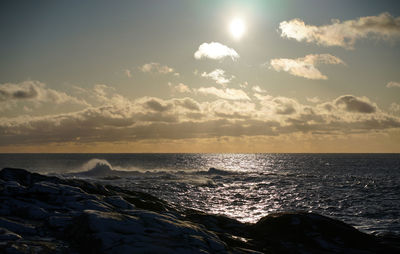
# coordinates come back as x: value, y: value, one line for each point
x: 128, y: 73
x: 394, y: 107
x: 157, y: 105
x: 285, y: 106
x: 224, y: 109
x: 180, y: 88
x: 26, y: 90
x: 278, y: 105
x: 227, y: 93
x: 313, y: 99
x: 187, y: 103
x: 244, y: 84
x: 216, y: 51
x: 157, y: 68
x: 258, y: 89
x: 172, y: 106
x: 113, y: 121
x: 101, y: 93
x: 343, y: 34
x: 351, y: 103
x: 35, y: 91
x: 392, y: 84
x: 231, y: 114
x: 306, y: 66
x: 218, y: 76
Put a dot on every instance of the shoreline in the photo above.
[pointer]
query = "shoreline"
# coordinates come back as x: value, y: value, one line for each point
x: 53, y: 215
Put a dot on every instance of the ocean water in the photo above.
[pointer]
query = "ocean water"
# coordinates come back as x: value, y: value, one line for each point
x: 360, y: 189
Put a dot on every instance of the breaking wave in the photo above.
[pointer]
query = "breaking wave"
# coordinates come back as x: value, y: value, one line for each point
x: 95, y: 168
x: 215, y: 171
x: 100, y: 168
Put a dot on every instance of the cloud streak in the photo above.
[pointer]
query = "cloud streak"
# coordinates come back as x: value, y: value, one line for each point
x: 392, y: 84
x: 157, y: 68
x: 215, y: 51
x: 306, y: 66
x: 343, y: 34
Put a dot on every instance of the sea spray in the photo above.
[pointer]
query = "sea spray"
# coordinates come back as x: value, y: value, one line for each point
x: 95, y: 168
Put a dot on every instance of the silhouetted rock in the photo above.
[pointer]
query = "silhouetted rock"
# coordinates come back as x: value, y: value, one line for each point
x: 41, y: 214
x: 312, y: 233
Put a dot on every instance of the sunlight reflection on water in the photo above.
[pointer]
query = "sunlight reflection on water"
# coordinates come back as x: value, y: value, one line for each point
x: 360, y: 189
x: 257, y: 185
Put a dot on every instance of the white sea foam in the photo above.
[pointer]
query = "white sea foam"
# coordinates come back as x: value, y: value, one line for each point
x: 94, y: 167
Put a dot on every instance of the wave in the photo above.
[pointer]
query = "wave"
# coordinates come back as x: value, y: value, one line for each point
x: 96, y: 168
x: 215, y: 171
x: 100, y: 168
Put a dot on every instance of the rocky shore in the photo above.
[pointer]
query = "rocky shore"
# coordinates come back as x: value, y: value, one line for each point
x: 42, y: 214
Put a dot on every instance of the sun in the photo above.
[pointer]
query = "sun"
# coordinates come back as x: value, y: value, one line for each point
x: 237, y: 28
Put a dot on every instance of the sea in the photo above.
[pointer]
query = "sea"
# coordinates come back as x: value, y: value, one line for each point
x: 362, y: 190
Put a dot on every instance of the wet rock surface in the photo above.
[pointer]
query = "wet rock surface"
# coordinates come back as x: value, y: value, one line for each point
x: 41, y: 214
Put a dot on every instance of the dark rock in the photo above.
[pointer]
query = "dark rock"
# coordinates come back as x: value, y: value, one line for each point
x: 7, y: 235
x: 24, y: 177
x: 17, y: 227
x: 299, y: 232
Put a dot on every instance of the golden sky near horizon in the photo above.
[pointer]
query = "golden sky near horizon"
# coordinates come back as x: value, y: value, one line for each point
x: 200, y: 76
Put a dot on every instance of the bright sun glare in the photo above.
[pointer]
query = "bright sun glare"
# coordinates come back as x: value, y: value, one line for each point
x: 237, y: 28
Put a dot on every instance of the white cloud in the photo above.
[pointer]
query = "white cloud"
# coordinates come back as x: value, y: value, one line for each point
x: 343, y: 34
x: 216, y: 51
x: 228, y: 93
x: 158, y: 68
x: 393, y: 84
x: 101, y: 92
x: 313, y: 99
x: 258, y: 89
x: 306, y: 66
x: 244, y: 85
x: 218, y: 76
x: 180, y: 88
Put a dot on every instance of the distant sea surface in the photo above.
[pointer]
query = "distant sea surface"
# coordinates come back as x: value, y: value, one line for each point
x: 360, y: 189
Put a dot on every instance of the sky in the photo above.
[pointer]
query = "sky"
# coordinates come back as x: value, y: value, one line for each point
x: 205, y: 76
